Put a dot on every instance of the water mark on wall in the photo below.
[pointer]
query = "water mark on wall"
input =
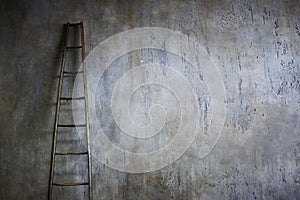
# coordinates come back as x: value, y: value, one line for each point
x: 184, y: 109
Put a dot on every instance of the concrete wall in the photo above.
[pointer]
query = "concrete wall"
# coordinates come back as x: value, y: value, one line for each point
x: 255, y: 44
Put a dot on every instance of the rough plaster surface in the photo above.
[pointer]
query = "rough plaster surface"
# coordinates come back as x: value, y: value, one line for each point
x: 254, y: 43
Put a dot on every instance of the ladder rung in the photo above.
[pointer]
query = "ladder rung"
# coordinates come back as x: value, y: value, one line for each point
x: 76, y: 72
x: 73, y: 47
x: 71, y: 153
x: 71, y: 125
x: 75, y: 24
x: 71, y: 98
x: 70, y: 184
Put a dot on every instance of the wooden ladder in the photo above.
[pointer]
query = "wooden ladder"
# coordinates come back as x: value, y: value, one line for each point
x: 63, y: 73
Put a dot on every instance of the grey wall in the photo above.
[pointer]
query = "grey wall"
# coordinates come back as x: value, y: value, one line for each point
x: 256, y: 45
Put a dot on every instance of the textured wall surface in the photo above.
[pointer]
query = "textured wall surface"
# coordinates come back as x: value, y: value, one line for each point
x: 256, y: 46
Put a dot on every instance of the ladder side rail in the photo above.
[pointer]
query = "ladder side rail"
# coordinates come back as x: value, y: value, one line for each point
x: 86, y: 110
x: 63, y: 60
